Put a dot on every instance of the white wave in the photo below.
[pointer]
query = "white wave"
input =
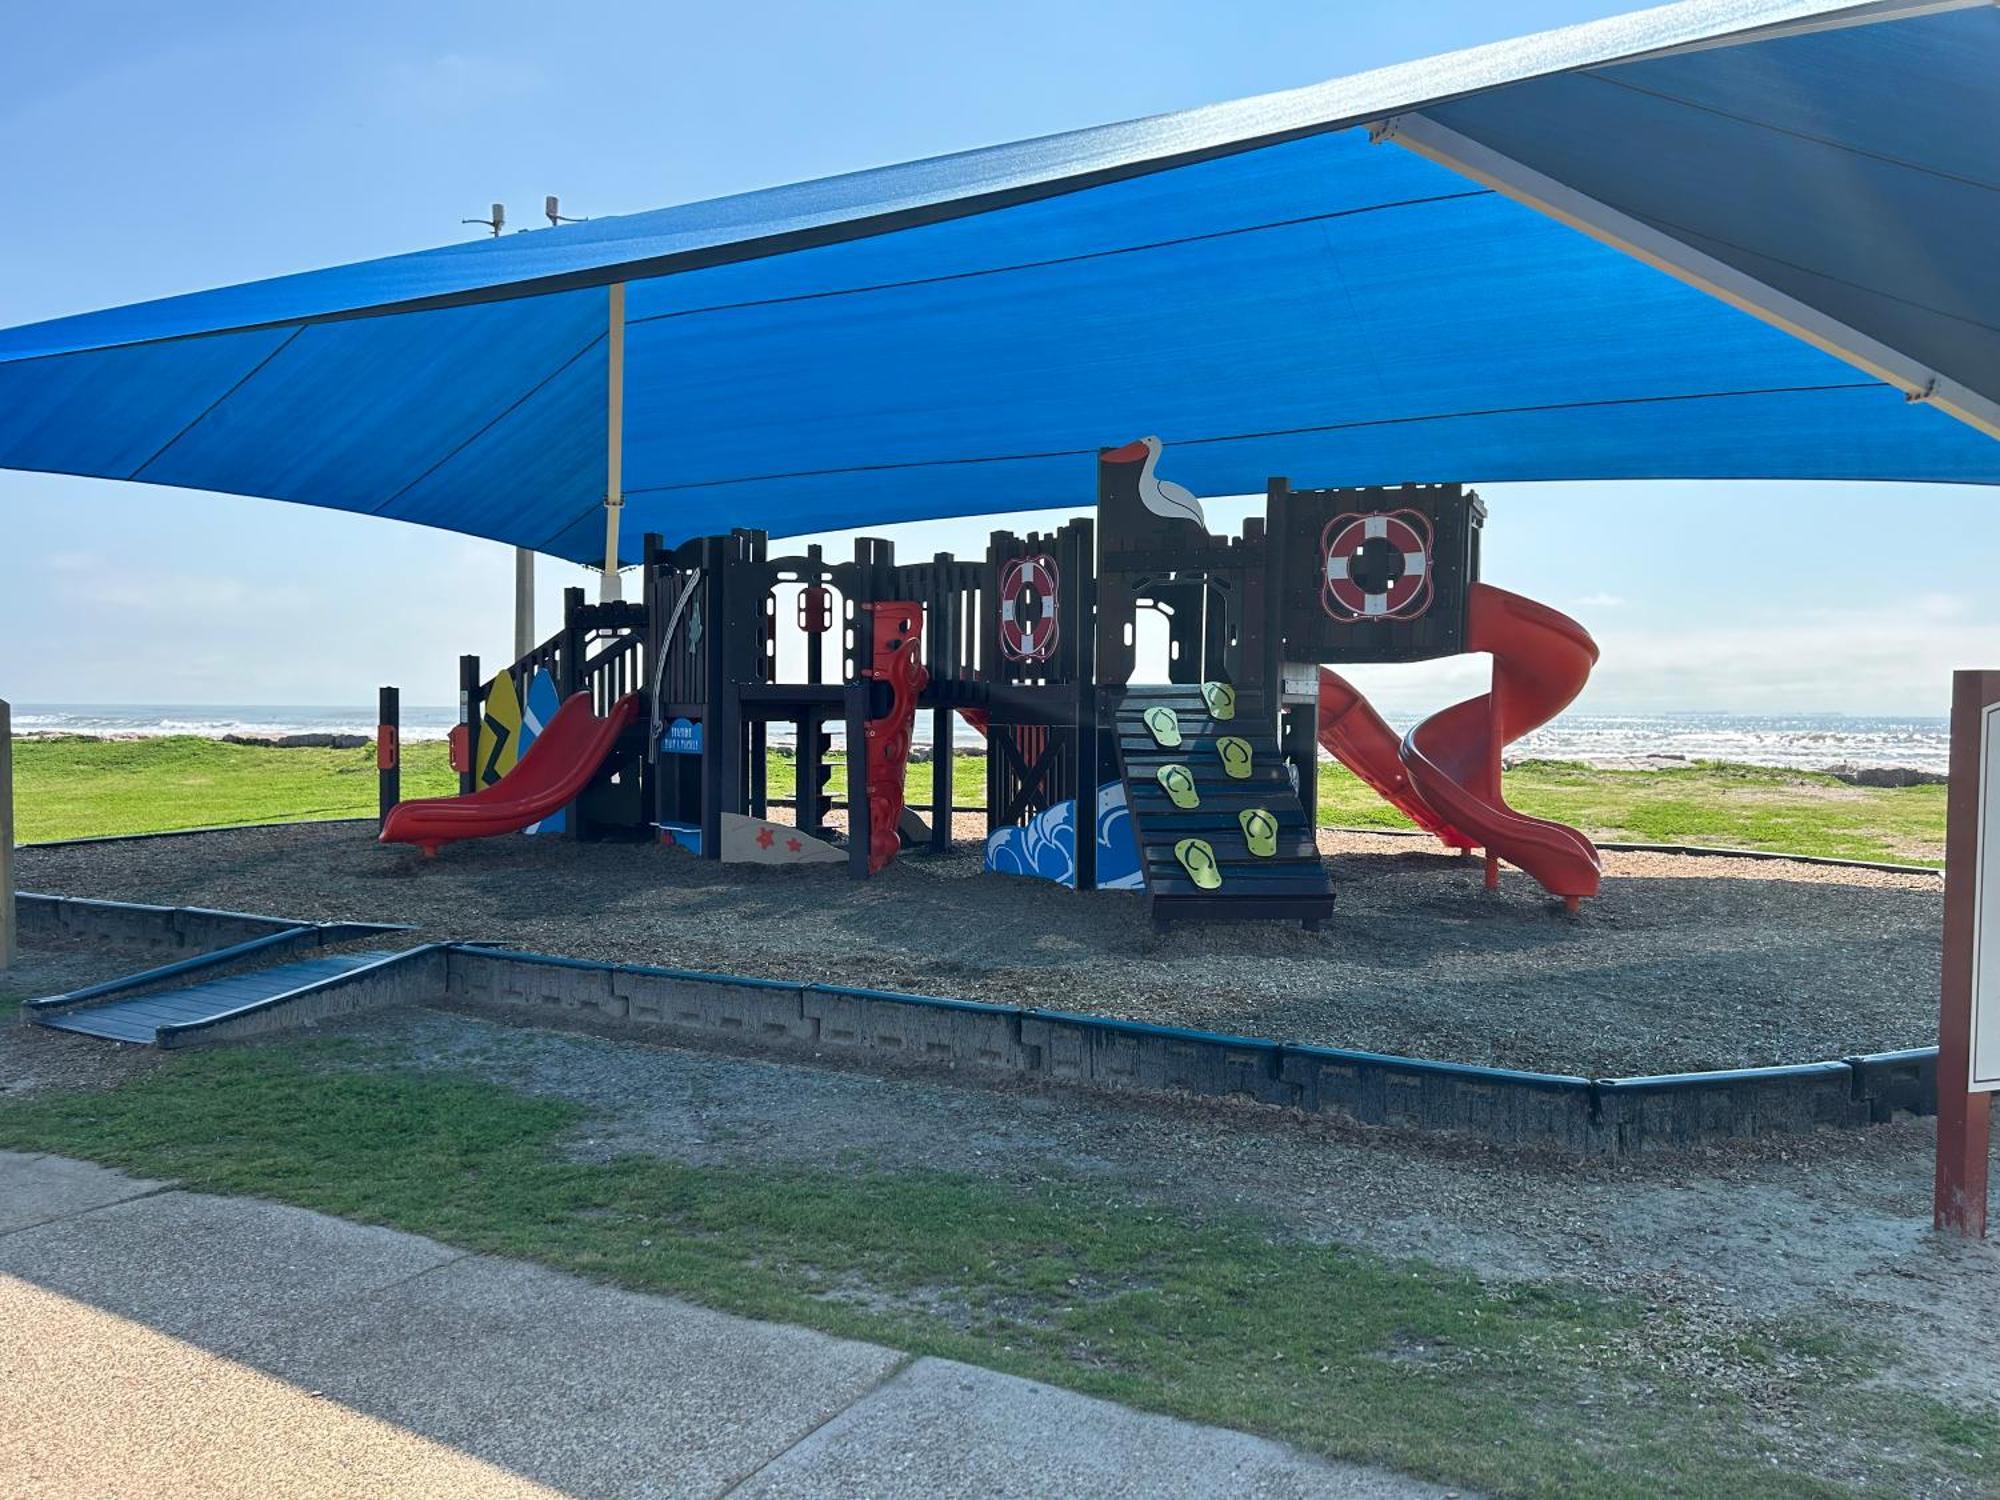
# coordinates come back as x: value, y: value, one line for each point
x: 1806, y: 742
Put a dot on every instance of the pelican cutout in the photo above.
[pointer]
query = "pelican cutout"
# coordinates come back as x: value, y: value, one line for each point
x: 1160, y: 496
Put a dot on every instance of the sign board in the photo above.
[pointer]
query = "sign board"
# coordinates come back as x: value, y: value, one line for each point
x: 1968, y: 1056
x: 1985, y: 966
x: 8, y: 921
x: 683, y: 737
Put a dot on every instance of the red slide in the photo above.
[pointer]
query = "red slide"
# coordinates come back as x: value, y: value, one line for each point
x: 556, y: 767
x: 1355, y: 735
x: 1446, y: 772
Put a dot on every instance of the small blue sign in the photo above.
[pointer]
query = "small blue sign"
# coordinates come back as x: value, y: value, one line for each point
x: 683, y: 737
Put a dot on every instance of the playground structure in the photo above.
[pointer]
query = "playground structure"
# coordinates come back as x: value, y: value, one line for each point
x: 652, y: 719
x: 1524, y: 294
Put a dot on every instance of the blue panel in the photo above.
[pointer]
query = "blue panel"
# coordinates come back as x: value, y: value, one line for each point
x: 108, y: 413
x: 1856, y: 170
x: 1319, y: 177
x: 1045, y: 846
x: 539, y: 705
x: 350, y: 414
x: 530, y: 474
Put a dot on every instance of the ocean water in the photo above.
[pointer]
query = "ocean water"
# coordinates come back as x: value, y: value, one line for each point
x: 127, y: 721
x: 1810, y: 741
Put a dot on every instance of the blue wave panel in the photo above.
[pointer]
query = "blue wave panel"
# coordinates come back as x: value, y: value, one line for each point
x: 1046, y: 846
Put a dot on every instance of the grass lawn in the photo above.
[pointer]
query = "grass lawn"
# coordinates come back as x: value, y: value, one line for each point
x: 1710, y: 802
x: 1520, y: 1388
x: 75, y: 788
x: 72, y: 788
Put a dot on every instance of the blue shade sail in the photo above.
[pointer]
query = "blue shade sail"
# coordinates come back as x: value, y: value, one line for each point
x: 1857, y: 170
x: 1255, y: 282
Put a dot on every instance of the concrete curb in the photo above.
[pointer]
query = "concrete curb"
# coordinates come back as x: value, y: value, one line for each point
x: 1602, y: 1116
x: 182, y: 929
x: 1587, y: 1116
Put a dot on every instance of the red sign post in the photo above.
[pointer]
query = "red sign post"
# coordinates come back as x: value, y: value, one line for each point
x: 1969, y: 1010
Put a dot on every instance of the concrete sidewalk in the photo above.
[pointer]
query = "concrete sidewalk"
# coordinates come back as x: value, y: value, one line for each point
x: 167, y: 1343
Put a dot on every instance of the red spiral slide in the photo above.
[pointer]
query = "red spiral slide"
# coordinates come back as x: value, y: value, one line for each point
x: 1445, y: 774
x: 555, y: 768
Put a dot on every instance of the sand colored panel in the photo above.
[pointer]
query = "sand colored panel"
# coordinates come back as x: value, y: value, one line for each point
x: 755, y: 841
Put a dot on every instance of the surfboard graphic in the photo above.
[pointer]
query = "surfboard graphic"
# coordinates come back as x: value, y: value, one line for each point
x: 499, y: 745
x: 536, y: 710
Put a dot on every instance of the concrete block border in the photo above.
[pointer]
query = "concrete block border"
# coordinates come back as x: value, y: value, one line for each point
x: 179, y: 930
x: 1595, y: 1116
x: 1592, y: 1116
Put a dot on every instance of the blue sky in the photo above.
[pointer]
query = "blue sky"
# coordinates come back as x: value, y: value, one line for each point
x: 158, y: 149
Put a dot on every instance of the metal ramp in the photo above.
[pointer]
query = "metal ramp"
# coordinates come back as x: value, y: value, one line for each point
x: 1289, y: 884
x: 141, y: 1018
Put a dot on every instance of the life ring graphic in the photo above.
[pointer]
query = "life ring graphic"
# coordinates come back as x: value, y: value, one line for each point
x: 1376, y: 566
x: 1030, y: 621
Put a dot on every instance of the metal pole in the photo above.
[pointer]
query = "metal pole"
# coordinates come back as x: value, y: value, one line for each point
x: 614, y: 453
x: 1964, y: 1115
x: 468, y: 723
x: 524, y: 602
x: 8, y: 929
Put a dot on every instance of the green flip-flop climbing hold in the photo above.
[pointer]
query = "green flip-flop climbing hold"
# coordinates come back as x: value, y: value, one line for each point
x: 1164, y: 725
x: 1260, y: 831
x: 1198, y: 859
x: 1179, y: 782
x: 1220, y: 698
x: 1234, y: 752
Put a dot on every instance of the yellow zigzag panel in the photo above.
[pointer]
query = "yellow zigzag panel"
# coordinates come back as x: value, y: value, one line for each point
x: 498, y: 743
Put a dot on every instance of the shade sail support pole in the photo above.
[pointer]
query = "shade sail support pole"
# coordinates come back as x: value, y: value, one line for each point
x: 524, y: 601
x: 1508, y: 177
x: 614, y: 440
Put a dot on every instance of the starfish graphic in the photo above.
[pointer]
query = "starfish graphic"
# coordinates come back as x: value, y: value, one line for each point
x: 794, y: 845
x: 764, y: 838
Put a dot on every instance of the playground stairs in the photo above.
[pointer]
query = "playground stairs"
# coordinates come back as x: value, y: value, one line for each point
x: 1289, y: 884
x: 213, y: 998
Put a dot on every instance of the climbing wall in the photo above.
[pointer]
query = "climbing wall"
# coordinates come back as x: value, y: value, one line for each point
x: 1228, y: 879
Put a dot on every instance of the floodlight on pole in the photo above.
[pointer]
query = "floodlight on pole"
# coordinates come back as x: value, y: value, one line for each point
x: 496, y: 223
x: 554, y: 210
